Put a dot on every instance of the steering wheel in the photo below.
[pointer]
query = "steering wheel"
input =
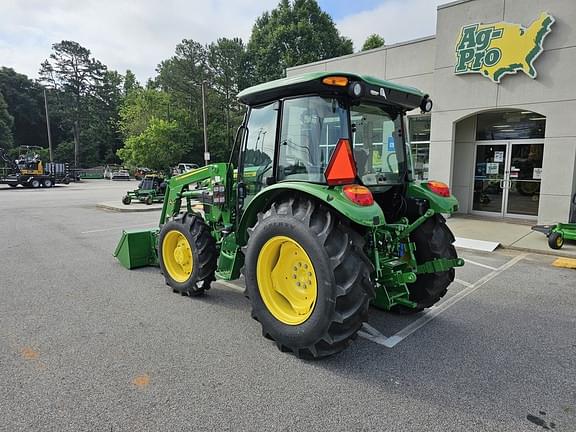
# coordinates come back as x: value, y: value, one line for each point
x: 389, y: 161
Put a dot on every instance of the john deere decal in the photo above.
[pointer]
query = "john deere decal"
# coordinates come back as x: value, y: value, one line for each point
x: 495, y: 50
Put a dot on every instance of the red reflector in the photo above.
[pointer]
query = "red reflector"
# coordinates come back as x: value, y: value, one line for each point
x: 342, y: 168
x: 439, y: 188
x: 360, y: 195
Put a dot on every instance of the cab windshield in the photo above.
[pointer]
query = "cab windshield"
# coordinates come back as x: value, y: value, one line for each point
x: 311, y: 127
x: 378, y: 145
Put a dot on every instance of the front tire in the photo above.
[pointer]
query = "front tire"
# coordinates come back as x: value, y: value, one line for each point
x: 35, y: 183
x: 47, y: 183
x: 307, y: 278
x: 126, y: 200
x: 433, y: 240
x: 187, y: 254
x: 555, y: 240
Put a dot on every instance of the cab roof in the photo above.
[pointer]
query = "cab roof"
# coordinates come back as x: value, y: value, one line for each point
x: 394, y: 94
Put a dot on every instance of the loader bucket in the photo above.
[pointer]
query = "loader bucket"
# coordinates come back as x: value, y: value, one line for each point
x: 137, y: 248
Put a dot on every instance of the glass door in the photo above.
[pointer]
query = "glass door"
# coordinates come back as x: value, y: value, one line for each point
x: 489, y: 178
x: 507, y: 179
x: 523, y: 180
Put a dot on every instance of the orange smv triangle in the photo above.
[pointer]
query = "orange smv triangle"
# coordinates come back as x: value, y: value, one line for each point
x: 342, y: 168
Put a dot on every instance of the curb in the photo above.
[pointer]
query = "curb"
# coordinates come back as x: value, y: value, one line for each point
x: 550, y: 252
x: 128, y: 208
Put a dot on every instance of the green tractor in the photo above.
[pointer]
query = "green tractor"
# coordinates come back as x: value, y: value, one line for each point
x: 321, y: 214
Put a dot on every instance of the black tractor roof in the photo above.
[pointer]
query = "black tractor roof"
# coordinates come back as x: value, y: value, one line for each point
x: 381, y: 91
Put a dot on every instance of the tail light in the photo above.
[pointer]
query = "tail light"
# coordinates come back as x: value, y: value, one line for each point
x: 360, y: 195
x: 438, y: 188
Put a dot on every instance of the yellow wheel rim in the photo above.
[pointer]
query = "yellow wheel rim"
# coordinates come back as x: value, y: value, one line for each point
x: 286, y: 280
x: 559, y: 241
x: 177, y: 256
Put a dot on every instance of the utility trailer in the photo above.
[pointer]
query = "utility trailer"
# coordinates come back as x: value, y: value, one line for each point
x: 29, y: 171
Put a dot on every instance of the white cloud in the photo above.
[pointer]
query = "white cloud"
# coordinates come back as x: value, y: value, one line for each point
x: 123, y: 34
x: 395, y: 20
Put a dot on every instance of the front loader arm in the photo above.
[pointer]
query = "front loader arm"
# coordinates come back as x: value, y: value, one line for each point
x: 212, y: 188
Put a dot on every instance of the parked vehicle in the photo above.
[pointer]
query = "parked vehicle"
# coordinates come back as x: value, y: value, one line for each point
x: 29, y: 170
x: 323, y: 217
x: 150, y: 190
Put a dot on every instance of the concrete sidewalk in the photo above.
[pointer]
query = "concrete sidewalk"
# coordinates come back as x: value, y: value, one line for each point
x: 510, y: 235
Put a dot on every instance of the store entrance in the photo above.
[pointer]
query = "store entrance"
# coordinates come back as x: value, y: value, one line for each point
x: 507, y: 178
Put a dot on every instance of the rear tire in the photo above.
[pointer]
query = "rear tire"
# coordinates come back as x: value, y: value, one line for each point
x: 47, y: 183
x: 34, y: 183
x: 187, y: 254
x: 555, y: 240
x: 342, y: 285
x: 433, y: 240
x: 149, y: 200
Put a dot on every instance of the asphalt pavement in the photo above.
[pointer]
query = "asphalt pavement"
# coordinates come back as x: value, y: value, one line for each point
x: 86, y: 345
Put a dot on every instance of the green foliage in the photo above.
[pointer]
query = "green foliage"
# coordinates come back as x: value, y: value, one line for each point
x: 139, y: 107
x: 86, y: 97
x: 294, y: 33
x: 159, y: 146
x: 130, y: 82
x: 26, y: 105
x: 64, y: 152
x: 6, y: 122
x: 373, y: 41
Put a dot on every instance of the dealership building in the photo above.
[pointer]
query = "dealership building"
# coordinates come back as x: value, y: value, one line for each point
x: 502, y: 75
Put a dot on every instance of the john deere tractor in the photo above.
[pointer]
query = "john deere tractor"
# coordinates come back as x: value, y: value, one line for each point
x: 317, y: 208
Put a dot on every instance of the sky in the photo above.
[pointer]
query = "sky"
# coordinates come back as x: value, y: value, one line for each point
x: 139, y: 34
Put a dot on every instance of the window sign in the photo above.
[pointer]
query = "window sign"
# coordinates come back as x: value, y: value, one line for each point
x: 499, y: 156
x: 501, y: 48
x: 390, y: 143
x: 492, y: 167
x: 537, y: 173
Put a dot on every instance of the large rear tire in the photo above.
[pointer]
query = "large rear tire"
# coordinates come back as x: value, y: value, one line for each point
x: 308, y: 278
x: 187, y: 254
x: 433, y: 240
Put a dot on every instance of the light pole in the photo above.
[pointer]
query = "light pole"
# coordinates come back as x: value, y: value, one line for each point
x: 48, y: 126
x: 206, y: 154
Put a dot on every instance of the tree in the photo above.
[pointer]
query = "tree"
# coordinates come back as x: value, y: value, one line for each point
x: 158, y: 147
x: 6, y: 123
x: 130, y: 82
x: 71, y: 70
x: 373, y: 41
x: 25, y: 104
x: 138, y: 109
x: 294, y: 33
x: 231, y: 72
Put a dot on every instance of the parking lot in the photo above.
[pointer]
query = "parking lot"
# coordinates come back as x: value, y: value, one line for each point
x: 88, y: 345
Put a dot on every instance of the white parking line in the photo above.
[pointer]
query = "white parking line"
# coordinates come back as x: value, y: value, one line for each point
x: 479, y: 264
x: 389, y: 342
x: 463, y: 282
x: 230, y: 285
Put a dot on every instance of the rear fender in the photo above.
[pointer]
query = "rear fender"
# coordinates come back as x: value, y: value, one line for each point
x: 368, y: 216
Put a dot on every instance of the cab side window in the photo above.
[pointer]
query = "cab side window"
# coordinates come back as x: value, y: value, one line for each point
x: 259, y: 151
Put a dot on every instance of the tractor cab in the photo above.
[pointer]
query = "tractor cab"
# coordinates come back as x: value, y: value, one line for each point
x: 331, y: 129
